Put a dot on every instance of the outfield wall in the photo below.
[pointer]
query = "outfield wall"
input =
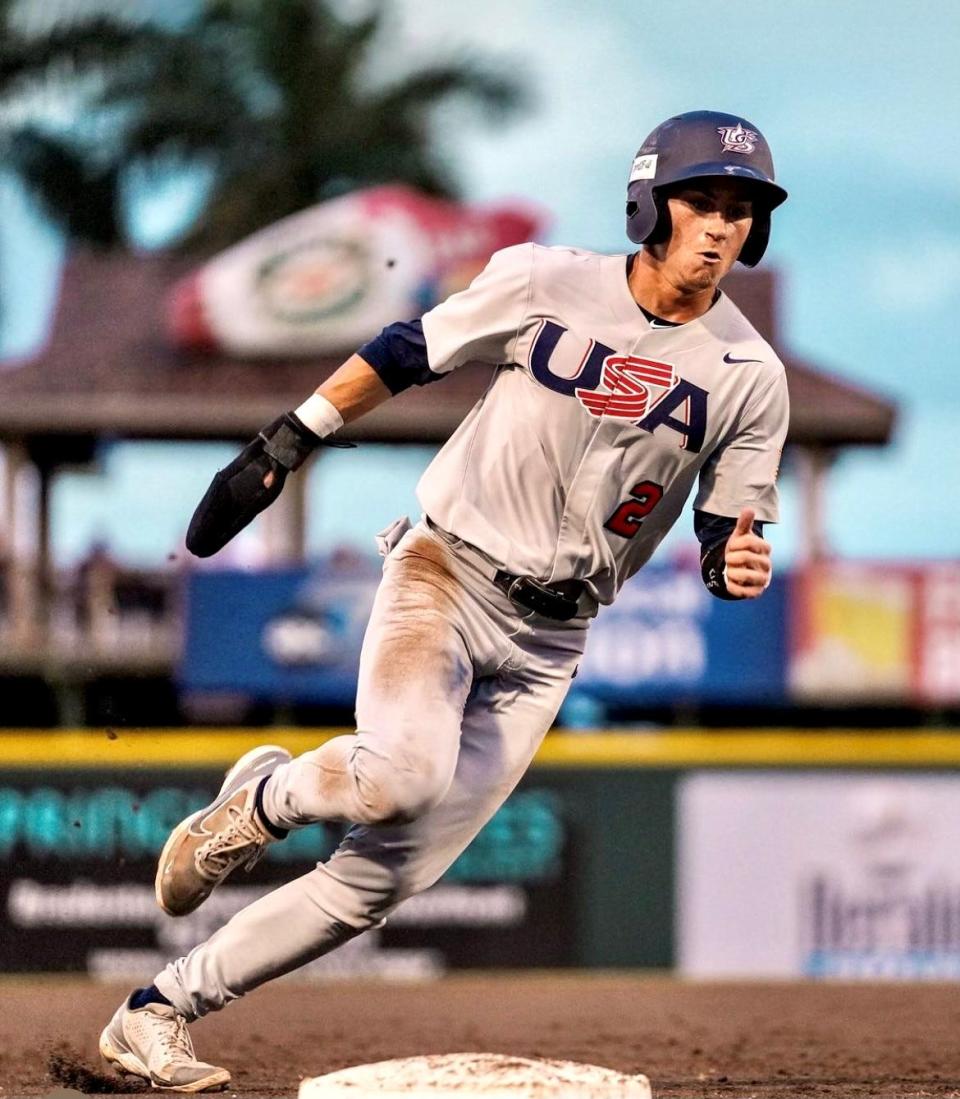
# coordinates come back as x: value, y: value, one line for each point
x: 769, y: 853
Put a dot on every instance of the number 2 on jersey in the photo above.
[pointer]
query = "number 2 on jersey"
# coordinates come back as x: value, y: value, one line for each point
x: 629, y: 516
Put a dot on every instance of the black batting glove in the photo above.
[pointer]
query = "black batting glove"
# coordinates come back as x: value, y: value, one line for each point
x: 239, y: 492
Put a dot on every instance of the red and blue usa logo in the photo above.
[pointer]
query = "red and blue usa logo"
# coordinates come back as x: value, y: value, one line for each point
x: 624, y: 387
x: 629, y: 388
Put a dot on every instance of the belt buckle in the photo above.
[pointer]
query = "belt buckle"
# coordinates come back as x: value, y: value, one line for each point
x: 529, y: 592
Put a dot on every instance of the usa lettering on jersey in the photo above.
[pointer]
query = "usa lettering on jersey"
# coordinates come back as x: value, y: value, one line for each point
x: 644, y: 392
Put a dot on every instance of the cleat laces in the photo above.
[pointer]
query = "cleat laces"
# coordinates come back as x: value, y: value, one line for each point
x: 172, y: 1037
x: 228, y: 848
x: 176, y: 1042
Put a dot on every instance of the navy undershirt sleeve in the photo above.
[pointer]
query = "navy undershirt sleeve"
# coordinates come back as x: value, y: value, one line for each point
x: 711, y: 529
x: 399, y: 356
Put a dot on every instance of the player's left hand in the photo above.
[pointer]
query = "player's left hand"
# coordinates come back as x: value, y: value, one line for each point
x: 250, y: 483
x: 747, y: 559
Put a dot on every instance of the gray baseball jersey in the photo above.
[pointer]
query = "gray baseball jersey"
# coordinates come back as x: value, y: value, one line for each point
x: 582, y: 452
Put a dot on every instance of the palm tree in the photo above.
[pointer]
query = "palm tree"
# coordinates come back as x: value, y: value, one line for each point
x: 271, y: 97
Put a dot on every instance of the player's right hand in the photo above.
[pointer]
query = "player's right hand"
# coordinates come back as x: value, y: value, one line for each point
x: 250, y: 483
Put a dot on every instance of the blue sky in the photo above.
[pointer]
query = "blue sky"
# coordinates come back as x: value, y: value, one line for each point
x: 861, y: 104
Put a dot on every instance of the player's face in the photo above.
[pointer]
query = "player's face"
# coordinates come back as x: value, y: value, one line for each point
x: 710, y: 222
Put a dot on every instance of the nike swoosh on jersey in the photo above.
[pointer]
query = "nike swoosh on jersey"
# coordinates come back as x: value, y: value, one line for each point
x: 732, y: 361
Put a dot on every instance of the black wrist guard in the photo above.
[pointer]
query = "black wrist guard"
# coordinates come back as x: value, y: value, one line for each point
x: 289, y: 441
x: 237, y: 493
x: 711, y: 568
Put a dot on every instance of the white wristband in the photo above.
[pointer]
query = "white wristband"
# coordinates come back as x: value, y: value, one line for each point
x: 319, y: 415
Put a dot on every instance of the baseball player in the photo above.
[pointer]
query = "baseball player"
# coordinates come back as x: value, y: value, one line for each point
x: 620, y: 384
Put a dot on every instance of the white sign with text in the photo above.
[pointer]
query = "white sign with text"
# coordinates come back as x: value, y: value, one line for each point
x: 849, y: 876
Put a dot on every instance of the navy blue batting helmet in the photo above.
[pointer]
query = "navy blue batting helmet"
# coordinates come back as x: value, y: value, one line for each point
x: 701, y: 145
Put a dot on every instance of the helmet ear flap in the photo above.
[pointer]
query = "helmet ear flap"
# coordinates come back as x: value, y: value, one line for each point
x: 663, y: 226
x: 648, y: 219
x: 756, y: 243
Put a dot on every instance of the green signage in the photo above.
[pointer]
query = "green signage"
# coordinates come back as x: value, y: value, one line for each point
x: 522, y: 843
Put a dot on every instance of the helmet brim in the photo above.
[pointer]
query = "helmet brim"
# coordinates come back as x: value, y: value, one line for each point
x: 772, y: 193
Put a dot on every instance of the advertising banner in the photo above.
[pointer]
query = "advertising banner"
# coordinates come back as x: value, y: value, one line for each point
x: 938, y: 632
x: 667, y: 638
x: 853, y: 633
x: 876, y: 632
x: 78, y: 854
x: 295, y: 636
x: 811, y: 875
x: 288, y: 635
x: 330, y: 277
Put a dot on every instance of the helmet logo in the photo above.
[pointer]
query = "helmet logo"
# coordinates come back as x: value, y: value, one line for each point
x: 737, y: 139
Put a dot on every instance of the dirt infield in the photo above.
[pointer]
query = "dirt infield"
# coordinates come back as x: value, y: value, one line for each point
x: 727, y: 1041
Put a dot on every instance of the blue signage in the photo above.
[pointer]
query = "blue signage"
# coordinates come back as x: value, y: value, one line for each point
x: 667, y: 639
x: 295, y: 636
x: 290, y: 636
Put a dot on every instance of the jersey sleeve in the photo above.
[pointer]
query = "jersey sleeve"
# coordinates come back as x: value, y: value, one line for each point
x: 743, y: 472
x: 481, y: 323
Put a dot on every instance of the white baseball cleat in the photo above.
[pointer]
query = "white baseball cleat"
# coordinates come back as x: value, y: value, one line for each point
x: 211, y: 843
x: 152, y: 1042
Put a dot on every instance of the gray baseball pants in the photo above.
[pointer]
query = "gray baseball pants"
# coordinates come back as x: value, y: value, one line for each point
x: 457, y: 687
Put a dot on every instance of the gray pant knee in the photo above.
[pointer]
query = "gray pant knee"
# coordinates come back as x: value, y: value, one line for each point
x: 396, y: 793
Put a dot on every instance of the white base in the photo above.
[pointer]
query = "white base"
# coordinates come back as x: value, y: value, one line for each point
x: 489, y: 1075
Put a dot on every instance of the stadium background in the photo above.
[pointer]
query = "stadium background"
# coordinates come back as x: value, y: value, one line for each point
x: 767, y: 791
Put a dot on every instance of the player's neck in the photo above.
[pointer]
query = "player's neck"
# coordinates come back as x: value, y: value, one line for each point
x: 655, y: 293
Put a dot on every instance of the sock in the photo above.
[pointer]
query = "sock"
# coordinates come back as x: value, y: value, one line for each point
x: 140, y: 997
x: 273, y: 829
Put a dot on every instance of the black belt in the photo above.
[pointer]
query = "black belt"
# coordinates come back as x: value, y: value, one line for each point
x: 558, y: 601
